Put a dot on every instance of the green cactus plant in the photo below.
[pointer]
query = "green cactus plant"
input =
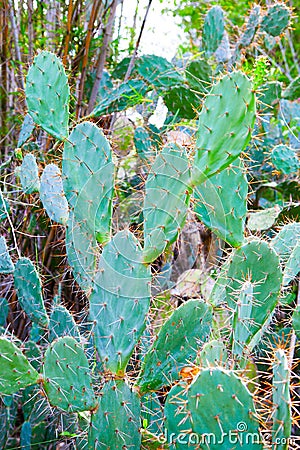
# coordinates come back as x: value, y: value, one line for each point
x: 26, y: 130
x: 116, y: 422
x: 88, y: 178
x: 224, y: 125
x: 52, y: 194
x: 119, y: 301
x: 61, y: 323
x: 47, y: 94
x: 222, y: 410
x: 224, y: 214
x: 248, y: 263
x: 276, y: 19
x: 213, y: 29
x: 6, y: 264
x: 29, y: 174
x: 29, y: 291
x: 285, y: 159
x: 176, y: 345
x: 67, y: 379
x: 166, y: 200
x: 15, y: 370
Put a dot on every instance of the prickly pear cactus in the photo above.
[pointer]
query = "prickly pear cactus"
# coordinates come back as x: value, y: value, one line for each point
x: 67, y: 379
x: 248, y: 263
x: 178, y: 419
x: 116, y: 422
x: 242, y: 319
x: 47, y: 94
x: 287, y: 245
x: 166, y: 200
x: 29, y: 291
x: 213, y: 29
x: 222, y: 409
x: 6, y: 264
x: 15, y: 370
x: 214, y: 353
x: 276, y: 20
x: 29, y: 174
x: 62, y: 323
x: 176, y: 345
x: 120, y: 300
x: 224, y: 214
x: 52, y: 194
x: 285, y: 159
x: 224, y: 126
x: 88, y: 178
x: 26, y: 130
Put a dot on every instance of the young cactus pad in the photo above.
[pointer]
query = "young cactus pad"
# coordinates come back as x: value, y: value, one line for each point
x: 120, y: 300
x: 67, y: 377
x: 52, y: 194
x: 224, y: 214
x: 115, y: 425
x: 287, y: 245
x: 213, y: 29
x: 29, y: 174
x: 29, y: 291
x: 176, y: 345
x: 47, y: 94
x: 257, y: 263
x: 222, y: 409
x: 224, y: 126
x: 62, y: 324
x: 26, y: 130
x: 15, y: 370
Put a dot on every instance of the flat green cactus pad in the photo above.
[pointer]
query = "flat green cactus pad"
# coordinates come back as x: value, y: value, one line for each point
x: 67, y: 377
x: 15, y: 370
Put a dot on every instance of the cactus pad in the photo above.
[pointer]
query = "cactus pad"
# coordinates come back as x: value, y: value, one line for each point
x: 6, y: 264
x: 176, y: 345
x: 29, y: 291
x: 26, y: 130
x: 29, y: 174
x: 15, y: 370
x: 221, y: 409
x: 257, y: 263
x: 282, y: 415
x: 276, y: 20
x: 224, y: 214
x: 224, y: 126
x: 285, y: 159
x: 52, y: 194
x: 62, y: 324
x: 167, y: 197
x: 47, y: 94
x: 116, y: 422
x: 120, y: 300
x: 67, y: 376
x: 88, y: 178
x: 213, y: 29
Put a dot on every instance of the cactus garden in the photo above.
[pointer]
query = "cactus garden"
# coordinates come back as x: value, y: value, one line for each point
x: 150, y: 291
